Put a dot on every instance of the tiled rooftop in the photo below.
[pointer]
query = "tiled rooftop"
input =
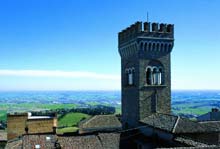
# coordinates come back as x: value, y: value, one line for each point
x: 178, y: 125
x: 44, y: 141
x: 99, y: 141
x: 191, y: 142
x: 49, y: 141
x: 99, y: 123
x: 14, y: 144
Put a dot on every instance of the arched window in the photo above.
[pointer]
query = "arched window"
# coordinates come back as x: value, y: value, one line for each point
x: 148, y: 76
x: 155, y: 73
x: 130, y: 76
x: 126, y: 76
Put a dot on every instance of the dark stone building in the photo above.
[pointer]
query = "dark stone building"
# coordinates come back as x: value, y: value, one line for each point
x: 145, y: 50
x: 214, y: 115
x: 145, y: 70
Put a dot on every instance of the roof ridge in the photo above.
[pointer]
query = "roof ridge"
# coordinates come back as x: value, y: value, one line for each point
x: 175, y: 125
x: 168, y: 114
x: 89, y: 120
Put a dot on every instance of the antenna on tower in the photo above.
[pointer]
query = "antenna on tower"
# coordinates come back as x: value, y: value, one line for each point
x: 147, y: 17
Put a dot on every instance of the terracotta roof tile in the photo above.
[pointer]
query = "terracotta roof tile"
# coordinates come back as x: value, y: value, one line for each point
x: 14, y: 144
x: 176, y: 124
x: 100, y: 141
x: 100, y: 123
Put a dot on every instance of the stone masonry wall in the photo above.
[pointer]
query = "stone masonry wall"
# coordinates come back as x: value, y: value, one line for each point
x: 41, y: 125
x: 16, y: 125
x: 147, y: 93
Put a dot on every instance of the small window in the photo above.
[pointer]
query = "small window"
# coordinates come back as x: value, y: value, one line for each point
x: 130, y: 76
x: 160, y: 76
x: 26, y: 130
x: 130, y: 79
x: 148, y: 76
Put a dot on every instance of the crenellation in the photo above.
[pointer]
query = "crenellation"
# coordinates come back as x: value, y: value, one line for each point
x: 163, y: 28
x: 170, y: 28
x: 156, y: 30
x: 154, y: 27
x: 146, y: 26
x: 138, y: 27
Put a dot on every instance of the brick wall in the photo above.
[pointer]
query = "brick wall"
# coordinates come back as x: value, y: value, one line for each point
x: 18, y: 122
x: 16, y: 125
x: 41, y: 125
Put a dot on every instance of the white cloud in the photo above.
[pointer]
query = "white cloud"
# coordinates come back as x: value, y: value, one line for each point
x: 58, y: 73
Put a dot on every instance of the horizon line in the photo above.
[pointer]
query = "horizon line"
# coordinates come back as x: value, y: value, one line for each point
x: 90, y: 90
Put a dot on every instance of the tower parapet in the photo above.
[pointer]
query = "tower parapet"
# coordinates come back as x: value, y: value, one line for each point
x: 146, y: 38
x: 146, y: 29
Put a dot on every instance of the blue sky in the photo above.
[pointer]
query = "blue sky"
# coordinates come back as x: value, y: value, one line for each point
x: 72, y: 45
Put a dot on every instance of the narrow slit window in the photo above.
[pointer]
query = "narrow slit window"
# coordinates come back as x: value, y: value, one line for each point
x: 155, y: 78
x: 160, y: 77
x: 130, y: 78
x: 148, y: 76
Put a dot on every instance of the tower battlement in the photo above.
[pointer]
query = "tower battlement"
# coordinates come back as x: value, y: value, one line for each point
x: 146, y: 29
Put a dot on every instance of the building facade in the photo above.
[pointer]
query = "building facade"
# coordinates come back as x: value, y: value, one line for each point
x: 145, y: 70
x: 19, y: 124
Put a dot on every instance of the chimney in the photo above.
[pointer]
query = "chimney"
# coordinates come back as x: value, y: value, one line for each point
x: 215, y: 110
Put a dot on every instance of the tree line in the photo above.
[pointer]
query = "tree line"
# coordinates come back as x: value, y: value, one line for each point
x: 90, y: 110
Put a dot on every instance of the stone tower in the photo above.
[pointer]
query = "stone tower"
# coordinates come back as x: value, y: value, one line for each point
x: 145, y: 70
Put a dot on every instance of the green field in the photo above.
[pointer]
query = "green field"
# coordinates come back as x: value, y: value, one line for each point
x: 71, y: 119
x: 3, y: 114
x: 70, y: 122
x: 192, y: 109
x: 26, y: 107
x: 187, y: 109
x: 118, y: 110
x: 66, y: 130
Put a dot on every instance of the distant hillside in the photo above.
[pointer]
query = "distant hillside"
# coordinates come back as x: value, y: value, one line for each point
x: 185, y: 103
